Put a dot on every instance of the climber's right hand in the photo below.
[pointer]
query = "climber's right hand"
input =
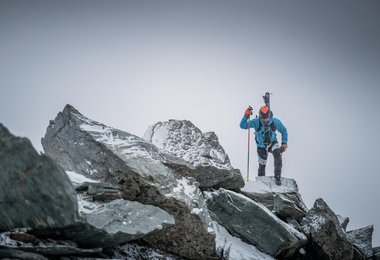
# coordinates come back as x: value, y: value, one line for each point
x: 248, y: 112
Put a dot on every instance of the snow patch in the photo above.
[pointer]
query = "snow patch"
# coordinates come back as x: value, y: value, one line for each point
x: 184, y: 187
x: 78, y: 178
x: 186, y: 141
x: 267, y: 185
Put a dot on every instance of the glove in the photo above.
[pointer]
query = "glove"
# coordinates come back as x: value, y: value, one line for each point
x: 283, y: 148
x: 248, y: 112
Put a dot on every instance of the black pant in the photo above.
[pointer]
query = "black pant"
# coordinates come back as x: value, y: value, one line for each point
x: 262, y: 154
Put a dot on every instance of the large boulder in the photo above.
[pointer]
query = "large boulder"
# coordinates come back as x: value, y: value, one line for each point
x: 284, y: 200
x: 34, y: 191
x: 116, y: 222
x: 362, y: 240
x: 141, y: 171
x: 254, y: 223
x: 328, y: 237
x: 289, y: 206
x: 108, y: 220
x: 202, y: 150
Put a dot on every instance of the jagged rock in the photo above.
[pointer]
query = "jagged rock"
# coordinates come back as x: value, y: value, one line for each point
x: 324, y: 230
x: 289, y: 206
x: 362, y: 240
x: 202, y: 150
x: 254, y: 223
x: 95, y: 190
x: 34, y: 191
x: 18, y: 254
x: 357, y: 255
x: 104, y: 194
x: 376, y: 253
x: 97, y: 151
x: 109, y: 223
x: 116, y: 222
x: 46, y: 247
x: 141, y: 171
x: 343, y: 221
x: 229, y: 247
x: 284, y: 200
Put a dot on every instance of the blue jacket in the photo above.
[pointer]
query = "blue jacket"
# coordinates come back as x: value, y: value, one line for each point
x: 260, y: 133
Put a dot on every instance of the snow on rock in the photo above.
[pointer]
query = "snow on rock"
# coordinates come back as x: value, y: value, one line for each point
x: 186, y: 141
x: 140, y: 171
x: 229, y: 247
x: 79, y: 178
x: 202, y: 150
x: 283, y: 199
x: 266, y: 184
x: 327, y: 235
x: 254, y: 223
x: 362, y: 240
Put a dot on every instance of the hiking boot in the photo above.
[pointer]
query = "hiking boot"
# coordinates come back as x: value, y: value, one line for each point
x: 277, y: 180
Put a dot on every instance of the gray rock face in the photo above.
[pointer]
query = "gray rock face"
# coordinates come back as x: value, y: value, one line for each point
x: 254, y: 223
x: 343, y: 221
x: 141, y: 171
x: 34, y: 191
x: 116, y: 222
x: 289, y: 206
x: 230, y: 248
x: 362, y: 240
x: 27, y: 246
x: 18, y: 254
x: 202, y: 150
x: 323, y: 228
x: 284, y: 200
x: 376, y: 253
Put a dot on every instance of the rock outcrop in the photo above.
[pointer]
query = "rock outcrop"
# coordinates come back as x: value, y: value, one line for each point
x: 343, y: 221
x: 141, y: 171
x: 284, y: 200
x: 202, y: 150
x: 329, y: 239
x: 123, y: 197
x: 362, y: 240
x: 34, y: 192
x: 254, y: 223
x: 114, y: 223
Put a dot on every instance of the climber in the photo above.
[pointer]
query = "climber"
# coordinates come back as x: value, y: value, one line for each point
x: 266, y: 139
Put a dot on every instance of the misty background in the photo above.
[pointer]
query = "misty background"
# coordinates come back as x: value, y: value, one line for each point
x: 130, y: 64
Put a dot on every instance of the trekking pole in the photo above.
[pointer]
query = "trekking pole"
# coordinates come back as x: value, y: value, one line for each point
x: 249, y: 141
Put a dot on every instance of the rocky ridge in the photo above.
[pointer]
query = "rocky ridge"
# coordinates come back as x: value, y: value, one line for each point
x: 172, y: 195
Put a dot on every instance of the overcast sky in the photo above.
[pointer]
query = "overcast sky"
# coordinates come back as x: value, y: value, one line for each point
x: 130, y: 64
